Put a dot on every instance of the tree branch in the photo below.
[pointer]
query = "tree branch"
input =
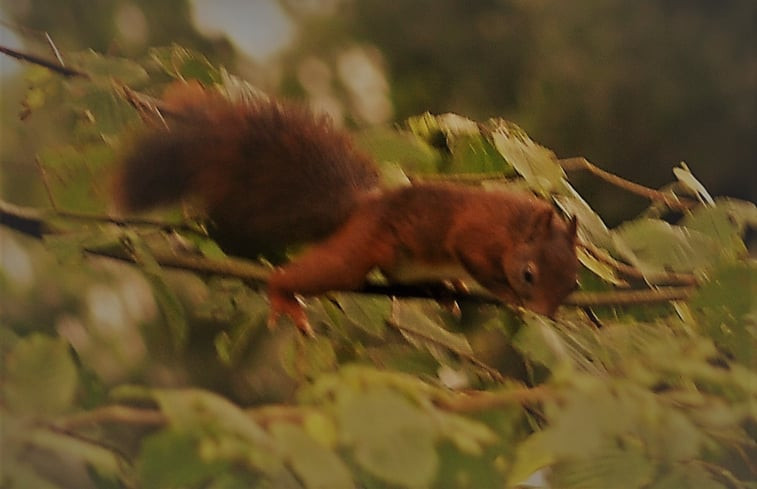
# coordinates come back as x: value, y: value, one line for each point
x: 630, y: 271
x: 50, y: 65
x: 459, y: 402
x: 670, y: 200
x: 35, y: 223
x: 630, y: 297
x: 472, y: 402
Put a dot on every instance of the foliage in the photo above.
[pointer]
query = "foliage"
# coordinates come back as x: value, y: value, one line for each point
x: 195, y: 391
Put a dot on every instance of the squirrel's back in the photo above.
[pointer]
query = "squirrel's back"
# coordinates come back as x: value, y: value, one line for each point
x: 267, y: 174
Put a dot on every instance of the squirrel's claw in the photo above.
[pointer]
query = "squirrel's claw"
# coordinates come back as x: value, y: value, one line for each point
x: 289, y: 305
x: 450, y: 304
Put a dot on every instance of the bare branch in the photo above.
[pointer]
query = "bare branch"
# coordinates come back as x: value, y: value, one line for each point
x: 670, y: 200
x: 471, y: 358
x: 114, y: 414
x: 24, y: 220
x: 50, y: 65
x: 34, y: 223
x: 630, y: 297
x: 486, y: 400
x: 630, y: 271
x: 54, y: 49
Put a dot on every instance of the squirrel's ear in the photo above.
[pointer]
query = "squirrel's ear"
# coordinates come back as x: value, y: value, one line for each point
x: 573, y: 228
x: 542, y: 223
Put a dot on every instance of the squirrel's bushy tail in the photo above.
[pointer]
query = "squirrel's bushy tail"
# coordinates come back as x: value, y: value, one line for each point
x: 159, y: 169
x: 265, y: 173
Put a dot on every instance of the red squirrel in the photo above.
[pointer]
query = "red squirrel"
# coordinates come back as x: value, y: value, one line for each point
x: 270, y: 174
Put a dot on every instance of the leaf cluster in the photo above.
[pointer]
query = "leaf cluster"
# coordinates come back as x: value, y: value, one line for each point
x: 393, y: 392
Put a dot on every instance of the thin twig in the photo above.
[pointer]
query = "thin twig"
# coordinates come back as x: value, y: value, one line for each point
x: 272, y: 413
x: 498, y: 377
x: 151, y: 106
x: 670, y: 200
x: 89, y: 440
x: 114, y: 414
x: 54, y: 49
x: 630, y: 271
x: 487, y: 400
x: 46, y: 184
x: 630, y: 297
x: 467, y: 178
x: 25, y: 220
x: 31, y: 58
x: 228, y: 267
x: 460, y: 402
x: 126, y: 221
x: 721, y: 472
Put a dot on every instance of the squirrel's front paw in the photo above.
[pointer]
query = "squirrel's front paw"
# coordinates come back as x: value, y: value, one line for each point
x: 288, y: 305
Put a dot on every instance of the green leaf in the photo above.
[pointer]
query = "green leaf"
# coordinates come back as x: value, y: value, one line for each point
x: 170, y: 460
x: 223, y: 430
x: 717, y: 223
x: 306, y: 357
x: 391, y: 437
x: 454, y: 125
x: 612, y: 467
x: 466, y: 471
x: 40, y: 376
x: 468, y: 435
x: 107, y: 113
x: 475, y: 154
x: 534, y: 453
x: 743, y: 214
x: 75, y: 176
x: 321, y: 428
x: 420, y: 329
x: 389, y: 146
x: 535, y: 163
x: 35, y: 98
x: 599, y: 268
x: 725, y: 307
x: 185, y: 64
x: 431, y: 127
x: 591, y: 227
x: 654, y: 246
x: 317, y: 466
x: 21, y: 474
x: 689, y: 475
x: 684, y: 175
x: 589, y: 416
x: 104, y: 461
x: 539, y: 342
x: 170, y: 306
x: 671, y: 436
x: 188, y: 409
x: 104, y: 68
x: 368, y: 313
x: 68, y: 246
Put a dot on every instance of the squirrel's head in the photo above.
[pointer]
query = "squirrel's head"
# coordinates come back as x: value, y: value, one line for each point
x: 542, y: 269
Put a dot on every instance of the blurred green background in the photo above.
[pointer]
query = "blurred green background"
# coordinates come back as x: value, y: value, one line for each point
x: 633, y: 85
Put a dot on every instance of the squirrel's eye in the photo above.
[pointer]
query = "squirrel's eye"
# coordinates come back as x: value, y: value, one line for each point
x: 528, y: 274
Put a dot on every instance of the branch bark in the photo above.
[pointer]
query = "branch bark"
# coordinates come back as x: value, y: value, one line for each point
x: 50, y: 65
x: 37, y: 224
x: 670, y: 200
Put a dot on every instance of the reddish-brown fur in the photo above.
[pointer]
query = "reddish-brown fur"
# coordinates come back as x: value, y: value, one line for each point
x: 270, y: 174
